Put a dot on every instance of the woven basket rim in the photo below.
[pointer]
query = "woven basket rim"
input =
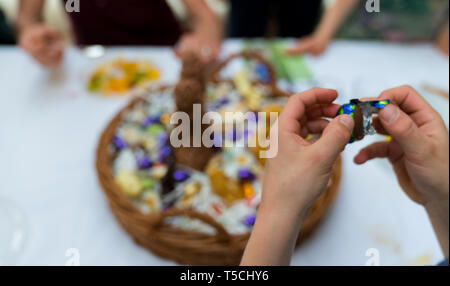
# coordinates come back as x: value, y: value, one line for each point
x: 249, y: 54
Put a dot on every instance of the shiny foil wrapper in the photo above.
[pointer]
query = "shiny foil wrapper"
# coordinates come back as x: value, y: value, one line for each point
x: 362, y: 112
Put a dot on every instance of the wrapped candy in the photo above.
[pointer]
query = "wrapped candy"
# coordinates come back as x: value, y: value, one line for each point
x: 155, y: 129
x: 263, y: 73
x: 153, y: 201
x: 246, y: 175
x: 362, y: 113
x: 147, y: 184
x: 159, y: 171
x: 119, y: 143
x: 165, y: 118
x: 144, y: 163
x: 164, y: 152
x: 151, y: 120
x: 129, y: 183
x: 180, y: 175
x: 190, y: 191
x: 248, y: 190
x: 250, y: 220
x: 251, y: 95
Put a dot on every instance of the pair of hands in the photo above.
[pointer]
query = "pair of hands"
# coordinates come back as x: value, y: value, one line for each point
x: 46, y: 45
x: 299, y: 173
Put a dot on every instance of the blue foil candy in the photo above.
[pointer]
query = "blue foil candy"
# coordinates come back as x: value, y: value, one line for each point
x: 181, y: 176
x: 144, y: 163
x: 119, y: 143
x: 368, y: 108
x: 246, y: 175
x: 250, y: 220
x: 162, y: 138
x: 224, y: 101
x: 262, y: 72
x: 151, y: 120
x: 164, y: 153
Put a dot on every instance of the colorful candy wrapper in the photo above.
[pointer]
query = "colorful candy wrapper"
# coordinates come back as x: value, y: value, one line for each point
x: 362, y: 113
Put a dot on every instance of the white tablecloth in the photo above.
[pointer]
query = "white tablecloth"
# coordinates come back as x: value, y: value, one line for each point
x: 49, y: 127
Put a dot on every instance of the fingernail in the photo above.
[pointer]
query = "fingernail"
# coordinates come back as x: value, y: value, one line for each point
x: 389, y: 114
x: 347, y: 121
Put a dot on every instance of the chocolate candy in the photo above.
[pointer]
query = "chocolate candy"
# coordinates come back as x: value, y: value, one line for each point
x: 362, y: 113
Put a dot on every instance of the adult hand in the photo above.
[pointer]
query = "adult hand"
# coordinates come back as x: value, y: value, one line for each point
x: 419, y: 153
x: 43, y: 43
x: 298, y: 174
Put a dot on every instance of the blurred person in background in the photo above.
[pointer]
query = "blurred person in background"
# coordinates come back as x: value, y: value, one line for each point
x: 399, y: 21
x: 273, y: 18
x: 6, y: 33
x: 109, y: 22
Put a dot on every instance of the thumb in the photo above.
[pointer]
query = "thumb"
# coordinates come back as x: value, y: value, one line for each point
x: 336, y: 136
x: 403, y: 129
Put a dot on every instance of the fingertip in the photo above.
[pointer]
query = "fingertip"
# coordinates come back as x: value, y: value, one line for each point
x: 337, y: 134
x: 335, y: 94
x: 389, y: 114
x: 326, y: 95
x: 347, y: 121
x: 331, y: 91
x: 359, y: 159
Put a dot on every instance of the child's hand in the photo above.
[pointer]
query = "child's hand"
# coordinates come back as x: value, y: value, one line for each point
x: 419, y: 153
x: 420, y: 149
x: 298, y: 174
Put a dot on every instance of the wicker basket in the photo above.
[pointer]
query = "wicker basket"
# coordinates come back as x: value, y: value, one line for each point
x: 188, y: 247
x: 215, y: 76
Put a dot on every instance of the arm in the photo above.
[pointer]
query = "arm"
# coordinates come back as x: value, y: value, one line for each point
x: 206, y: 32
x: 202, y: 17
x: 44, y: 44
x: 274, y: 232
x: 438, y: 214
x: 331, y: 22
x: 419, y: 154
x: 285, y: 201
x: 442, y: 39
x: 30, y: 13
